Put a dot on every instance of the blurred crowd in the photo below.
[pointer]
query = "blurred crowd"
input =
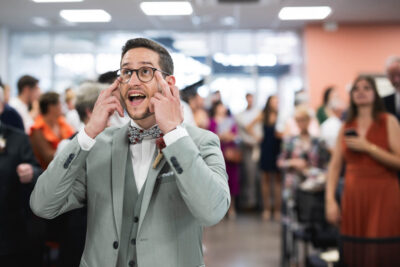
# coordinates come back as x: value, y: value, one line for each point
x: 287, y: 174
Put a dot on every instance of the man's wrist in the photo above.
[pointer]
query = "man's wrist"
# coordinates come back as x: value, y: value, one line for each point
x: 174, y: 135
x: 170, y: 129
x: 89, y: 132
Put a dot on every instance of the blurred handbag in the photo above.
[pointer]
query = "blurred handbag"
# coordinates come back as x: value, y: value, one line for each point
x: 233, y: 155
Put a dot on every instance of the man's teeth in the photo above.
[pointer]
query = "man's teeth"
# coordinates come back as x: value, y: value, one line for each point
x: 135, y: 96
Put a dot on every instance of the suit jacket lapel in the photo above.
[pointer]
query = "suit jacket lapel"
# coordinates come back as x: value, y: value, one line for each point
x: 149, y: 187
x: 119, y: 154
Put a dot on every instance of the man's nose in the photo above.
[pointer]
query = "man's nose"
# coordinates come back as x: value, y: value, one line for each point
x: 134, y: 79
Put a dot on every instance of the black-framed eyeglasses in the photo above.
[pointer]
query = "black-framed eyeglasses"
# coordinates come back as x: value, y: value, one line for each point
x: 145, y: 74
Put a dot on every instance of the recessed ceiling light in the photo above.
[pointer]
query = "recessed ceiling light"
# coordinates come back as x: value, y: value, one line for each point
x: 85, y: 15
x: 228, y: 21
x: 166, y: 8
x: 305, y: 13
x: 41, y: 22
x: 56, y: 1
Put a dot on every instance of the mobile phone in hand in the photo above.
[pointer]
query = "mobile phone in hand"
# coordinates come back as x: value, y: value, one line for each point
x: 350, y: 132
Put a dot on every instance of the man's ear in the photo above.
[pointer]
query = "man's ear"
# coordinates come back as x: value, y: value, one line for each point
x: 170, y: 80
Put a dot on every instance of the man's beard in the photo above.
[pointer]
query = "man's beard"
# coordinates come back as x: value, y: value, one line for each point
x: 145, y: 115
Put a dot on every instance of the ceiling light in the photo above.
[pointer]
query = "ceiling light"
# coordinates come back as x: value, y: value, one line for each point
x: 305, y: 13
x: 85, y: 15
x: 41, y: 22
x: 228, y: 21
x: 166, y: 8
x: 56, y: 1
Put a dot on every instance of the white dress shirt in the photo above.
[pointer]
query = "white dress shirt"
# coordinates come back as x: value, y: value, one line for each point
x: 243, y: 119
x: 23, y: 111
x: 142, y: 153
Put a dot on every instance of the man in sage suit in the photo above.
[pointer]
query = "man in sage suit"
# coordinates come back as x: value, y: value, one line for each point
x: 142, y: 211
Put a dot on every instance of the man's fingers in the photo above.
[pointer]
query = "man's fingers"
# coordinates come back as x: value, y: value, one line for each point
x: 114, y: 106
x: 115, y: 101
x: 175, y: 91
x: 166, y: 90
x: 153, y: 102
x: 113, y: 87
x: 158, y: 96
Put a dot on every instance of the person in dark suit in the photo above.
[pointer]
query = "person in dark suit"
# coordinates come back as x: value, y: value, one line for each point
x: 18, y: 172
x: 392, y: 102
x: 9, y: 115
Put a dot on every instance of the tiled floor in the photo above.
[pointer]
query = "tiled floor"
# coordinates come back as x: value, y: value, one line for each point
x: 246, y: 241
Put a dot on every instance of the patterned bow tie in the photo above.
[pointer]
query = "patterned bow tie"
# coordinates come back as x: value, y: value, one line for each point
x: 136, y: 135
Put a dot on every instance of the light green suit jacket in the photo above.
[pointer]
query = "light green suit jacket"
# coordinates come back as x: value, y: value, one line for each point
x: 187, y: 190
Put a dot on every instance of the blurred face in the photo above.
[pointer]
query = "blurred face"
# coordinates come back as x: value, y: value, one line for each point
x: 221, y: 110
x: 333, y: 96
x: 34, y: 93
x: 136, y: 95
x: 302, y: 122
x: 394, y: 75
x: 6, y: 93
x: 363, y: 93
x: 55, y: 110
x: 274, y: 103
x: 199, y: 101
x: 249, y: 99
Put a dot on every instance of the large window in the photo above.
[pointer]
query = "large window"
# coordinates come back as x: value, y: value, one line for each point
x: 235, y: 63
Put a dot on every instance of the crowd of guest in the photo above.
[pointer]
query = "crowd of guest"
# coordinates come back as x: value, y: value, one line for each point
x: 265, y: 165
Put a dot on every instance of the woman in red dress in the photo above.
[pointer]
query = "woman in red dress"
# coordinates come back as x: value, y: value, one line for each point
x: 369, y: 144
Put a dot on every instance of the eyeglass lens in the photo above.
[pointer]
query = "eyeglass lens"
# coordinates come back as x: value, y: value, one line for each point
x: 145, y: 74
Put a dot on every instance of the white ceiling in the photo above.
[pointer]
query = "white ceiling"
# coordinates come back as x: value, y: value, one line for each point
x: 208, y: 15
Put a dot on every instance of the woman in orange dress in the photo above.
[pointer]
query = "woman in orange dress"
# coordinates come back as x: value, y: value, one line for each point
x: 369, y: 144
x: 49, y: 128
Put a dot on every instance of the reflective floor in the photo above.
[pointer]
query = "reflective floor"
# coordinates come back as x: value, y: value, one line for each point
x: 246, y: 241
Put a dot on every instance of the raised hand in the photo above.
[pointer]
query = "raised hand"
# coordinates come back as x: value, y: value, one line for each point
x: 107, y: 103
x: 166, y: 105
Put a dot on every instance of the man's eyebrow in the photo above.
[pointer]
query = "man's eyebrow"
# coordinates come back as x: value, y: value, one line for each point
x: 141, y: 62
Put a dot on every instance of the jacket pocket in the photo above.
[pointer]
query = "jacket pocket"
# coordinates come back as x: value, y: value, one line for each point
x: 167, y: 178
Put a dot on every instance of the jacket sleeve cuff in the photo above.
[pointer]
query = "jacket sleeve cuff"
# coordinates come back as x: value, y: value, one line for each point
x: 85, y: 142
x: 175, y: 135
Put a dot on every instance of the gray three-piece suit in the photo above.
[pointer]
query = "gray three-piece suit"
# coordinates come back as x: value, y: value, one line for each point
x: 160, y: 226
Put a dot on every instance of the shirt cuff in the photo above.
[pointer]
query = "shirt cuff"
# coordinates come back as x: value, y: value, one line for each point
x: 175, y: 135
x: 85, y: 141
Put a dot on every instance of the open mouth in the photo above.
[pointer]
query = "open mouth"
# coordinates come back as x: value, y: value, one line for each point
x: 136, y: 98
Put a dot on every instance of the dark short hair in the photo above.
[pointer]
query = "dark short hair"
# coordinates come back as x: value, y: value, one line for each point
x: 26, y: 80
x: 377, y: 106
x: 165, y: 59
x: 47, y: 99
x: 108, y: 77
